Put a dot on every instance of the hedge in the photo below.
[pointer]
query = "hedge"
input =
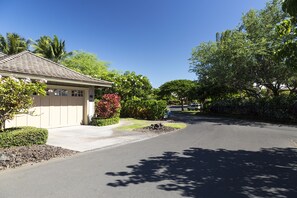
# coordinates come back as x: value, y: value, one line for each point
x: 281, y: 108
x: 104, y: 122
x: 23, y: 136
x: 144, y: 109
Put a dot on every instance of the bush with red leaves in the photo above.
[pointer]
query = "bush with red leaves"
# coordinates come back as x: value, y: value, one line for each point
x: 109, y: 106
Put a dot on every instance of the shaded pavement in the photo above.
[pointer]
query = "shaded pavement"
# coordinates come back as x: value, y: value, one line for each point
x: 212, y: 157
x: 200, y: 172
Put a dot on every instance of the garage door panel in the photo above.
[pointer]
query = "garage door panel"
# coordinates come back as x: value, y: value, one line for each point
x: 55, y: 111
x: 11, y: 123
x: 35, y: 113
x: 64, y: 110
x: 45, y: 111
x: 79, y: 113
x: 21, y: 120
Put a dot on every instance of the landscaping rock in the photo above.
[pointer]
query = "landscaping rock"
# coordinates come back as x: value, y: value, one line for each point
x: 3, y: 158
x: 156, y: 128
x: 17, y: 156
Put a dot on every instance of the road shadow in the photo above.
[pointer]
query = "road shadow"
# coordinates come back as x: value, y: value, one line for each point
x: 221, y: 173
x: 196, y: 119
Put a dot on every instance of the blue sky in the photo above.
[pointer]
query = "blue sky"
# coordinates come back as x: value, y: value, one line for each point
x: 151, y: 37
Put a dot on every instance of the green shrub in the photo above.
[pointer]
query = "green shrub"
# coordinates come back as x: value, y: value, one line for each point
x: 104, y: 122
x: 108, y: 107
x: 23, y: 136
x: 144, y: 109
x: 282, y: 108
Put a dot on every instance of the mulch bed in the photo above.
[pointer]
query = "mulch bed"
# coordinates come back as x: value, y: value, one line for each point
x: 156, y: 128
x: 17, y: 156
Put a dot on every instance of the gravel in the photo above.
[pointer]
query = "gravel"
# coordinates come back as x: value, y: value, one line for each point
x: 156, y: 128
x: 17, y: 156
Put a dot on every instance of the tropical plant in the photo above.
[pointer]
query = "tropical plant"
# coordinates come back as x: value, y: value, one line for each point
x: 53, y: 49
x: 13, y: 44
x: 16, y: 96
x: 108, y: 107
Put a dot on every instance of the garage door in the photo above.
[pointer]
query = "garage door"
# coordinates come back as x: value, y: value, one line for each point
x: 59, y: 108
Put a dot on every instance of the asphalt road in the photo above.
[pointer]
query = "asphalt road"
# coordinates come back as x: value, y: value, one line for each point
x: 210, y: 158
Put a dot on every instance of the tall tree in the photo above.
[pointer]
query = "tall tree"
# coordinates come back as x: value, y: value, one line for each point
x: 53, y: 49
x: 89, y: 64
x: 130, y: 85
x: 13, y: 44
x: 180, y: 89
x: 245, y: 59
x: 287, y: 30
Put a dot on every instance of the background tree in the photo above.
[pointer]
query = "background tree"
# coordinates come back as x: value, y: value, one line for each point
x: 13, y: 44
x: 290, y: 6
x: 89, y: 64
x: 287, y: 30
x: 177, y: 88
x: 130, y: 85
x: 53, y: 49
x: 244, y: 60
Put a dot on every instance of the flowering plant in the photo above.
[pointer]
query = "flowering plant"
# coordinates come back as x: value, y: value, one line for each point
x: 109, y: 106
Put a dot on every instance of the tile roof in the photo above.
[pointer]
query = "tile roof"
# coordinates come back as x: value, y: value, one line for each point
x: 2, y: 55
x: 30, y: 64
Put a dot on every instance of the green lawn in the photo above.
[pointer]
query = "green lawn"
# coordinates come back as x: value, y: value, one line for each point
x: 179, y: 125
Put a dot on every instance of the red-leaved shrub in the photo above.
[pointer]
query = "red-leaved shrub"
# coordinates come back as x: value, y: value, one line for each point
x: 109, y: 106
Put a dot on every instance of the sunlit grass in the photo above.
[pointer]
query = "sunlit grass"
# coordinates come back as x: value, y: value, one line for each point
x: 176, y: 125
x: 133, y: 124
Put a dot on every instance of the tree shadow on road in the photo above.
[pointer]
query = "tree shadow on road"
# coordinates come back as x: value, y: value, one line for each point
x: 220, y: 173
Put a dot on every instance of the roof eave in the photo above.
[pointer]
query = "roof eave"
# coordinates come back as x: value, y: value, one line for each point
x: 57, y: 80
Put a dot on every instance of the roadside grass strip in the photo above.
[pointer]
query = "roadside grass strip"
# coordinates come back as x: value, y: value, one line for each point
x: 133, y: 124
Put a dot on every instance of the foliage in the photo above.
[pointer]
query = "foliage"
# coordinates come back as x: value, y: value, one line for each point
x: 144, y: 109
x: 281, y: 108
x: 130, y: 85
x: 13, y: 44
x: 180, y: 89
x: 290, y: 6
x: 23, y: 136
x: 134, y: 124
x: 53, y: 49
x: 104, y: 122
x: 287, y: 30
x: 89, y: 64
x: 108, y: 107
x: 16, y: 96
x: 246, y: 60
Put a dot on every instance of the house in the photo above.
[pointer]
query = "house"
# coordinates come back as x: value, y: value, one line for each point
x: 70, y: 95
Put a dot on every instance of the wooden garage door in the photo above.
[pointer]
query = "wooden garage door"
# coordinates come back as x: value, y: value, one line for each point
x: 59, y: 108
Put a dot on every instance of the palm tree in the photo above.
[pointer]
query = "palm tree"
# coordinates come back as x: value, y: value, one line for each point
x: 13, y: 44
x: 42, y: 47
x: 53, y: 49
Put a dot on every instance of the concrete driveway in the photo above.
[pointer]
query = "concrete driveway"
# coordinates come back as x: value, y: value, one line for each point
x: 84, y: 138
